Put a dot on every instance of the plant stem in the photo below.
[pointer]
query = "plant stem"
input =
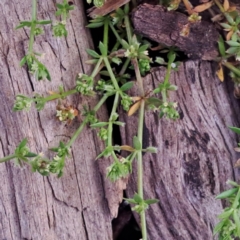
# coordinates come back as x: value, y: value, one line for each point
x: 7, y: 158
x: 76, y: 134
x: 219, y: 5
x: 59, y: 95
x: 140, y: 169
x: 115, y: 32
x: 105, y: 33
x: 100, y: 103
x: 96, y: 68
x: 232, y: 68
x: 79, y: 130
x: 112, y: 76
x: 110, y: 125
x: 128, y: 25
x: 138, y: 76
x: 33, y: 26
x: 124, y: 67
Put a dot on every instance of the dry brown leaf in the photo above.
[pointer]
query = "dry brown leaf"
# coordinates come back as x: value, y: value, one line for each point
x: 220, y: 73
x: 136, y: 98
x: 127, y: 148
x: 109, y: 6
x: 232, y: 9
x: 237, y: 163
x: 229, y: 35
x: 226, y: 5
x: 134, y: 108
x: 203, y: 7
x: 188, y: 6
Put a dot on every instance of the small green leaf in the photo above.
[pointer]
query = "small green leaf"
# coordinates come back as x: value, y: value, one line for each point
x: 124, y: 44
x: 226, y: 214
x: 44, y: 22
x: 233, y: 43
x: 121, y: 124
x: 136, y: 143
x: 127, y: 86
x: 233, y: 183
x: 221, y: 46
x: 218, y: 227
x: 137, y: 198
x: 227, y: 193
x: 93, y: 53
x: 151, y: 149
x: 233, y: 50
x: 235, y: 129
x: 103, y: 49
x: 30, y: 154
x: 95, y: 25
x: 151, y: 201
x: 237, y: 221
x: 229, y: 18
x: 99, y: 124
x: 22, y: 143
x: 130, y: 200
x: 23, y: 61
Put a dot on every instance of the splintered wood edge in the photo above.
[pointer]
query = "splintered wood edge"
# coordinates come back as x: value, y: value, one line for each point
x: 108, y: 7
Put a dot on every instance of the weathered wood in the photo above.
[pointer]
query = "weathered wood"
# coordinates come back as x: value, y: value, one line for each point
x: 197, y: 40
x: 81, y: 204
x: 195, y: 154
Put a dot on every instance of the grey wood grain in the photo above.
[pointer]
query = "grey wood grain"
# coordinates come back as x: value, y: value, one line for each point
x: 195, y: 153
x: 82, y: 203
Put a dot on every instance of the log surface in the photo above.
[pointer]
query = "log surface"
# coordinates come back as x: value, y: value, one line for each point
x: 195, y: 153
x: 82, y: 203
x: 196, y: 40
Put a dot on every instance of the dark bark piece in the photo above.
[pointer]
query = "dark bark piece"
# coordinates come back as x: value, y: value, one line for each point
x: 195, y: 154
x: 168, y: 27
x: 81, y: 204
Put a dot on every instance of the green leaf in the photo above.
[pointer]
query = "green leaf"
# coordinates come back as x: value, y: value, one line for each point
x: 233, y: 43
x: 226, y: 214
x: 233, y: 50
x: 22, y: 143
x: 225, y: 25
x: 171, y: 57
x: 137, y: 198
x: 127, y: 86
x: 218, y: 227
x: 151, y: 201
x: 44, y: 22
x: 235, y: 129
x: 93, y: 53
x: 103, y: 49
x: 221, y: 46
x: 236, y: 200
x: 237, y: 221
x: 136, y: 143
x: 30, y: 154
x: 233, y: 183
x: 23, y: 61
x: 143, y: 48
x: 151, y: 149
x: 227, y: 193
x: 229, y: 18
x: 124, y: 44
x: 60, y: 6
x: 130, y: 200
x: 99, y: 124
x: 95, y: 25
x: 122, y: 124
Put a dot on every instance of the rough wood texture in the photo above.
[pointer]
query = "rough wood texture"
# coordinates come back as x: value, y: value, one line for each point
x: 169, y: 28
x: 81, y: 204
x: 195, y: 154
